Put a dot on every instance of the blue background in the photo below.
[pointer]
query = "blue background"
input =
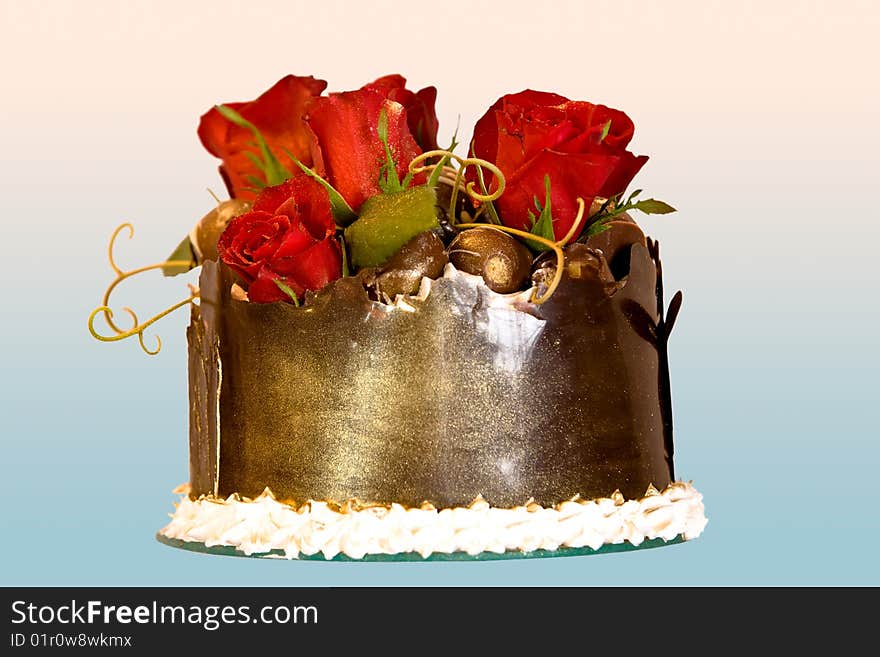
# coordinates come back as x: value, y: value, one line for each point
x: 768, y: 151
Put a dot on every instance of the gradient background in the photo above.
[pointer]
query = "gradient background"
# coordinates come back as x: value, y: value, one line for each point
x: 761, y: 119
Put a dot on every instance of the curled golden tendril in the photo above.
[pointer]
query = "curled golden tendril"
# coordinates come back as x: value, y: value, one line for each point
x: 137, y: 328
x: 576, y: 224
x: 417, y: 166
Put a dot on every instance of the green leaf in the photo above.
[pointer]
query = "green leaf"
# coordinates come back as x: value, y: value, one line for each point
x: 493, y: 213
x: 345, y: 270
x: 597, y: 227
x: 389, y: 183
x: 382, y: 127
x: 434, y: 180
x: 275, y: 172
x: 653, y: 206
x: 342, y: 212
x: 542, y: 225
x: 388, y: 180
x: 601, y: 220
x: 184, y: 251
x: 287, y: 290
x: 605, y: 130
x: 256, y: 161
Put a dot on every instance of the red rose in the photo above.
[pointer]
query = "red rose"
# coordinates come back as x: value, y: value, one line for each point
x: 421, y: 117
x: 278, y: 115
x: 532, y: 134
x: 288, y: 236
x: 346, y: 148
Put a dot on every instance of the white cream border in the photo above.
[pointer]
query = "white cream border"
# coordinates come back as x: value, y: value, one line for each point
x: 263, y: 524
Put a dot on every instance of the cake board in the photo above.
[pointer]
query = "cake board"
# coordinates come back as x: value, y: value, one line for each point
x: 608, y: 548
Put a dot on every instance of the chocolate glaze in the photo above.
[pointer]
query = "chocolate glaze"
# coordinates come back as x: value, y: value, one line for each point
x: 615, y: 243
x: 345, y: 399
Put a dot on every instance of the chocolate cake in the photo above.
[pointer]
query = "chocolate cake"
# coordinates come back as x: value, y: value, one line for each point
x: 442, y: 403
x: 397, y: 350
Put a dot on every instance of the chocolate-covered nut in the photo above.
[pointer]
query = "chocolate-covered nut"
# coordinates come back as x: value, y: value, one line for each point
x: 212, y: 225
x: 424, y: 252
x: 502, y: 261
x: 581, y: 263
x: 423, y: 256
x: 397, y: 281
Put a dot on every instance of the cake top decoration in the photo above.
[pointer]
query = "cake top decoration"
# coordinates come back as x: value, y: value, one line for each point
x: 353, y: 184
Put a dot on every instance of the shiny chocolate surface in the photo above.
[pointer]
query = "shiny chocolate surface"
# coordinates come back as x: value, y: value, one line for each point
x: 349, y: 399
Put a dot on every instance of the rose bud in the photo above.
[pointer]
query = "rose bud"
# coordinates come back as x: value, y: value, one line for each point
x: 285, y: 245
x: 502, y: 261
x: 206, y: 233
x: 580, y: 146
x: 201, y: 243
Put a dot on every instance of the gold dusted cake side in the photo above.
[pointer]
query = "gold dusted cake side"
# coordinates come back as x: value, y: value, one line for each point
x: 453, y: 396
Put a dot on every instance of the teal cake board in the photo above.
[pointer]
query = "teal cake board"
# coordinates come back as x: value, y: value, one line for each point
x: 230, y: 551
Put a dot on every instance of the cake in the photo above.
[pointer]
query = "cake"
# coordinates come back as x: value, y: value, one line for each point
x: 396, y: 351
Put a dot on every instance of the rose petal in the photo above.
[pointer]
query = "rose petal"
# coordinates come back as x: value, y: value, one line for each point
x: 590, y: 121
x: 346, y: 147
x: 314, y: 268
x: 619, y: 179
x: 295, y: 241
x: 265, y: 290
x: 271, y: 198
x: 277, y: 113
x: 421, y: 117
x: 572, y: 175
x: 303, y: 199
x: 486, y: 130
x: 249, y: 239
x: 261, y: 237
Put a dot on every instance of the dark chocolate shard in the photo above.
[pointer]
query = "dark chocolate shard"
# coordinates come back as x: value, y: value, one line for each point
x: 641, y: 322
x: 664, y: 329
x: 672, y: 313
x: 203, y: 336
